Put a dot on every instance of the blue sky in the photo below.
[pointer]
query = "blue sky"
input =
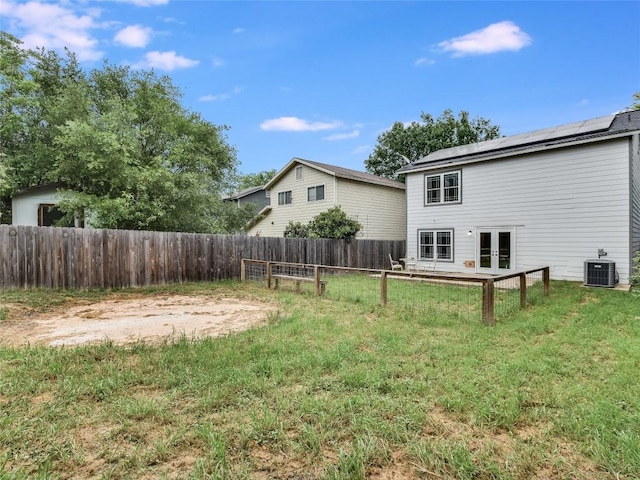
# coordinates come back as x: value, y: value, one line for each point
x: 321, y: 80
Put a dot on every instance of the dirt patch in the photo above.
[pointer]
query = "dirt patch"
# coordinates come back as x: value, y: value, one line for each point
x: 148, y: 319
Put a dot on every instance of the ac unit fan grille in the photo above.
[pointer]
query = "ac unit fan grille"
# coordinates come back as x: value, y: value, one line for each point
x: 600, y: 273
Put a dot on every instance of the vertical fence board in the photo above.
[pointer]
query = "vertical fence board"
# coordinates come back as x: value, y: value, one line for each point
x: 53, y: 257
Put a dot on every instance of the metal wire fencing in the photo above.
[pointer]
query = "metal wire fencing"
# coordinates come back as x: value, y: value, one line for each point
x: 461, y: 297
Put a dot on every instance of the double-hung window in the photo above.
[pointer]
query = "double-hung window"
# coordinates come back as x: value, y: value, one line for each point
x: 315, y: 193
x: 442, y: 188
x: 285, y: 198
x: 436, y: 245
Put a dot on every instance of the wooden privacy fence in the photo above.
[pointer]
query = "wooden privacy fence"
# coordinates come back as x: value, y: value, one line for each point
x: 493, y: 287
x: 52, y: 257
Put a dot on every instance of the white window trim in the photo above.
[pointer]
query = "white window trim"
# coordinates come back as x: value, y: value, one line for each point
x: 324, y: 192
x: 299, y: 174
x: 442, y: 188
x: 435, y: 232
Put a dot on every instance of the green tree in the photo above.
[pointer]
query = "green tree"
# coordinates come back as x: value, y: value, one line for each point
x: 411, y: 142
x: 259, y: 179
x: 636, y: 101
x: 129, y: 154
x: 333, y: 223
x: 233, y: 218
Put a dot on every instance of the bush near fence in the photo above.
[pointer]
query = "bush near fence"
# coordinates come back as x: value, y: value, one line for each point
x: 51, y: 257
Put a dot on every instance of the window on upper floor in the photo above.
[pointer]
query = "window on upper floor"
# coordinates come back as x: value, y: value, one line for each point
x: 284, y: 198
x: 315, y: 193
x: 442, y: 188
x: 299, y: 173
x: 436, y: 245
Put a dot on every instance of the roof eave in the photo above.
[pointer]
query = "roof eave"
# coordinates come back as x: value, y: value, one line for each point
x: 489, y: 156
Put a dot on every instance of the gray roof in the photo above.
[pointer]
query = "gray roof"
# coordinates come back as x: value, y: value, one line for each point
x: 611, y: 125
x: 244, y: 193
x: 339, y: 172
x: 36, y: 188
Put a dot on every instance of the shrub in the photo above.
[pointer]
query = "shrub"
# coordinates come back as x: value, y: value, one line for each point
x: 297, y: 230
x: 334, y: 223
x: 635, y: 274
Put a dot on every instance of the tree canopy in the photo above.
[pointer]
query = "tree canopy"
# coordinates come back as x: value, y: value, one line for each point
x: 259, y: 179
x: 402, y: 142
x: 117, y: 140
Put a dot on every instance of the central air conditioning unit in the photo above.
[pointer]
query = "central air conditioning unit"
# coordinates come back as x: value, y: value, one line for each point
x: 600, y: 273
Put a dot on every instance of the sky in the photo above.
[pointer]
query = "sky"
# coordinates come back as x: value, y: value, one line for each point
x: 322, y: 80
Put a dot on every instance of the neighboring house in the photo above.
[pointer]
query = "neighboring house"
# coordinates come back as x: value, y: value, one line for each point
x: 555, y: 197
x: 303, y: 189
x: 256, y: 195
x: 36, y: 206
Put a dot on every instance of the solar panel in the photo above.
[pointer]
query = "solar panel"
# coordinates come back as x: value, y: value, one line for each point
x: 553, y: 133
x: 596, y: 124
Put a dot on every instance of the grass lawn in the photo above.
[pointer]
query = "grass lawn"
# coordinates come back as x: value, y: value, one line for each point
x: 334, y: 388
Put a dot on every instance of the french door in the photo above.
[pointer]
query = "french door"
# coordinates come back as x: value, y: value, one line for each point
x: 496, y: 250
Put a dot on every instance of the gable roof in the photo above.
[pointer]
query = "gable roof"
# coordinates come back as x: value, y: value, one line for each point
x: 338, y: 172
x: 38, y: 188
x: 611, y: 126
x: 244, y: 193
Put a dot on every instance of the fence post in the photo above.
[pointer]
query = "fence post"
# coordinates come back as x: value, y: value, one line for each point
x: 487, y: 302
x: 383, y: 287
x: 243, y: 270
x: 316, y: 279
x: 545, y: 279
x: 268, y: 275
x: 523, y: 290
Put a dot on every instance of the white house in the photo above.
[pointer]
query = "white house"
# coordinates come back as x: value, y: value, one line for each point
x: 303, y: 189
x: 36, y: 206
x: 557, y: 197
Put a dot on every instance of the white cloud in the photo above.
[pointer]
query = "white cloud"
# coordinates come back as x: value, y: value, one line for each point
x: 362, y: 149
x: 238, y: 30
x: 145, y: 3
x: 53, y: 27
x: 135, y: 36
x: 167, y: 61
x: 217, y: 62
x: 343, y: 136
x: 221, y: 96
x: 171, y: 20
x: 295, y: 124
x: 496, y: 37
x: 424, y: 61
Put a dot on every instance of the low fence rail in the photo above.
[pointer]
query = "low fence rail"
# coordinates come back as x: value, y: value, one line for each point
x: 462, y: 295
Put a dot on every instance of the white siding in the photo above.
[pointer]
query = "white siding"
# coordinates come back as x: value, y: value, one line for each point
x: 300, y: 210
x: 380, y: 210
x: 24, y: 206
x: 565, y: 205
